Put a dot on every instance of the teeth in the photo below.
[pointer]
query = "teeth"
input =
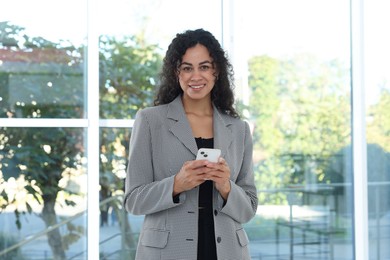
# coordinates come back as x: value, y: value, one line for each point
x: 197, y: 86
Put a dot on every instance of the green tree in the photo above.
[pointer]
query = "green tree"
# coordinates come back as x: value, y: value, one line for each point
x: 296, y: 104
x: 378, y: 123
x: 128, y: 75
x: 49, y: 82
x: 51, y: 85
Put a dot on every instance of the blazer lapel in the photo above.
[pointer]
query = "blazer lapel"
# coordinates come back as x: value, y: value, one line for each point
x: 223, y: 136
x: 179, y: 125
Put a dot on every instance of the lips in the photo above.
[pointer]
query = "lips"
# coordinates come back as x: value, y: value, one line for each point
x: 197, y: 86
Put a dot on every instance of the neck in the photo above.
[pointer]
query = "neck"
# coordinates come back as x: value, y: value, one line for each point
x: 199, y: 107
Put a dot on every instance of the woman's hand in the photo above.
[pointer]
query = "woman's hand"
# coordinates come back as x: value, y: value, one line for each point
x: 220, y: 174
x: 191, y: 175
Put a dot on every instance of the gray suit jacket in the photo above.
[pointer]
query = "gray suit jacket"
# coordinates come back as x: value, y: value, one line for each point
x: 161, y: 142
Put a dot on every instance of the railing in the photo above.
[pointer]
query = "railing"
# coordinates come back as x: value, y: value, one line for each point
x: 108, y: 240
x: 42, y: 233
x: 376, y: 227
x: 59, y: 225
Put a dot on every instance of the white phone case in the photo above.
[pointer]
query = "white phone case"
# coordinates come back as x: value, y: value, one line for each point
x: 211, y: 155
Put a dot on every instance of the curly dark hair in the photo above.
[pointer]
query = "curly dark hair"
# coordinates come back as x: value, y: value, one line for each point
x: 221, y: 95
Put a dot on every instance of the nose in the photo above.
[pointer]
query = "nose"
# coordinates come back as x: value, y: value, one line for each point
x: 196, y: 74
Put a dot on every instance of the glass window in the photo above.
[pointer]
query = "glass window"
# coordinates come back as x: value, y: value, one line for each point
x: 377, y: 91
x: 43, y: 192
x: 296, y: 93
x: 293, y: 84
x: 41, y: 61
x: 119, y: 231
x: 43, y: 174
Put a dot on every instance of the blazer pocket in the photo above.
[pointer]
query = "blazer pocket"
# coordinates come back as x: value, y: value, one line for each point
x: 154, y: 238
x: 242, y: 237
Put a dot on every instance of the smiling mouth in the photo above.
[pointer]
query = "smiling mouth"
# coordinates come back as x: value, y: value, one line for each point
x: 197, y: 86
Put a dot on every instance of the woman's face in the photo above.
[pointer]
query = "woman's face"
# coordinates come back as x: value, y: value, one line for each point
x: 197, y: 74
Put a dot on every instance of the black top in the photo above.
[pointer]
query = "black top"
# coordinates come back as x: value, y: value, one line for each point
x: 206, y: 234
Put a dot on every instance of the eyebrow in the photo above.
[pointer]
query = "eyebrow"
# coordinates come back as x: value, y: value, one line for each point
x: 201, y: 63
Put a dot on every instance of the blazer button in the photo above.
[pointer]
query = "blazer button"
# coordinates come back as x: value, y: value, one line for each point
x: 219, y: 239
x: 215, y: 212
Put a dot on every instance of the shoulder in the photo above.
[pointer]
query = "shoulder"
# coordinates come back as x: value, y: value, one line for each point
x: 162, y: 110
x: 234, y: 121
x: 237, y: 125
x: 150, y: 117
x: 151, y: 112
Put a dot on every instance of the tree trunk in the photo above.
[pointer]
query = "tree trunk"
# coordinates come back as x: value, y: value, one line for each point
x: 54, y: 238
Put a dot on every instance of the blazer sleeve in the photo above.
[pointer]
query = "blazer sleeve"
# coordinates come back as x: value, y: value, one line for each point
x: 143, y: 194
x: 241, y: 204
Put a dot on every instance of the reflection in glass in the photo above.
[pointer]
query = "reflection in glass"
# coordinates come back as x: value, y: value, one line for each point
x: 43, y: 188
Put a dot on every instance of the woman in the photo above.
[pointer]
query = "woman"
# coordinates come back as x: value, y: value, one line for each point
x: 193, y: 208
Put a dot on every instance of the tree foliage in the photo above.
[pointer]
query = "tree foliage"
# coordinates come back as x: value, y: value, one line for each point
x: 42, y: 79
x: 378, y: 125
x: 128, y: 75
x: 301, y: 110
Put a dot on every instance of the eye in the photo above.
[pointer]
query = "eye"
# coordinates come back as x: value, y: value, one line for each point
x: 204, y: 67
x: 186, y: 68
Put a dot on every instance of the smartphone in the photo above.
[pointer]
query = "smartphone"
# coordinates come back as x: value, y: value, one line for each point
x: 211, y: 155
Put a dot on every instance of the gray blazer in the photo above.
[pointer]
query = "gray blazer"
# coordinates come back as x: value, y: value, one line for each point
x: 161, y: 141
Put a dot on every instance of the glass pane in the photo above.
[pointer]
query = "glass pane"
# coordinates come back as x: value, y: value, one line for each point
x: 296, y: 93
x: 132, y: 43
x: 43, y: 193
x: 41, y: 59
x: 118, y: 231
x: 378, y: 126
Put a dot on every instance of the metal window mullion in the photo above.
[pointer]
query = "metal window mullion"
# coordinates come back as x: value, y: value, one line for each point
x: 92, y: 59
x: 117, y: 123
x: 360, y: 198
